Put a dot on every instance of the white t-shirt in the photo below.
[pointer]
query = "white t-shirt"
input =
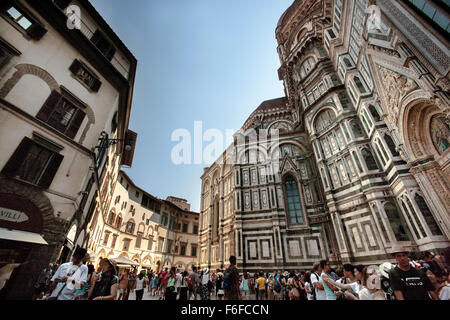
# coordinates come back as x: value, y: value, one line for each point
x: 365, y: 294
x: 445, y: 293
x: 77, y: 273
x: 179, y: 278
x: 320, y: 294
x: 309, y: 286
x: 355, y: 287
x: 140, y: 283
x: 205, y: 279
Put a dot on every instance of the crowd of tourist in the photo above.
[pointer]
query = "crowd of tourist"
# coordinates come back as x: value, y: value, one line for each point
x: 424, y: 278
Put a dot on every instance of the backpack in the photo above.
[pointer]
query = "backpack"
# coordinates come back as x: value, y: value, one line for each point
x: 227, y: 279
x: 190, y: 283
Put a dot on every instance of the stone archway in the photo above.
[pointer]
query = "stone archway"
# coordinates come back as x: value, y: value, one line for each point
x: 429, y: 164
x: 23, y: 69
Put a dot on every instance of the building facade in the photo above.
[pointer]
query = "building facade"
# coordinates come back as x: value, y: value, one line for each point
x: 61, y: 90
x: 362, y: 161
x: 141, y: 230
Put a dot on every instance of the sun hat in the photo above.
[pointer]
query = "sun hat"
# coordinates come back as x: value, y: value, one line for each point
x: 398, y: 249
x: 205, y: 270
x: 111, y: 262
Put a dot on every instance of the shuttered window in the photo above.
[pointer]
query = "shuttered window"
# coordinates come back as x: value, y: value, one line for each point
x: 33, y: 163
x: 103, y: 44
x: 23, y: 19
x: 85, y: 76
x: 61, y: 114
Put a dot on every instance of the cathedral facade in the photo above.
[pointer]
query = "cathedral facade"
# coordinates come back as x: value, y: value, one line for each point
x: 361, y: 158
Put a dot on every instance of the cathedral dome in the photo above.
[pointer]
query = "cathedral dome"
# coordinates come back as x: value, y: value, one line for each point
x: 269, y: 109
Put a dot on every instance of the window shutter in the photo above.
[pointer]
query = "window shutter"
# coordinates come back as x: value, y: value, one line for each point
x: 50, y: 171
x: 75, y: 124
x: 75, y: 67
x: 62, y: 4
x: 49, y: 105
x: 96, y: 37
x: 5, y: 5
x: 36, y: 31
x: 96, y: 85
x: 110, y: 53
x: 17, y: 158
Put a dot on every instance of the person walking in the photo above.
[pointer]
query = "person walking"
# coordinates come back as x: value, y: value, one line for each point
x: 183, y: 289
x: 204, y: 281
x: 220, y: 293
x: 123, y: 284
x: 193, y: 283
x: 245, y: 287
x: 171, y: 289
x: 231, y: 281
x: 140, y: 286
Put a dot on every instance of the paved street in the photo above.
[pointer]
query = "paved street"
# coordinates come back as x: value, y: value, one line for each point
x: 147, y: 296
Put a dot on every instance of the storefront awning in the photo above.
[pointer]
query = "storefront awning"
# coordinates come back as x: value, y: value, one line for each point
x: 22, y: 236
x: 124, y: 261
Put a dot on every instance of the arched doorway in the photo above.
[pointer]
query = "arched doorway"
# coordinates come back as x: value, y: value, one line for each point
x: 425, y: 132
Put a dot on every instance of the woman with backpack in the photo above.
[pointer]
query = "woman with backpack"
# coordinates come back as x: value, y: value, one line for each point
x: 244, y: 287
x: 171, y: 292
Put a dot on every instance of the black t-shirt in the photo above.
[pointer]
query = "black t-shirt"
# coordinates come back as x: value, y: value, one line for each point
x: 414, y: 284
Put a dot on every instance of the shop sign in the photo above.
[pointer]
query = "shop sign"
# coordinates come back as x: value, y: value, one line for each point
x: 12, y: 215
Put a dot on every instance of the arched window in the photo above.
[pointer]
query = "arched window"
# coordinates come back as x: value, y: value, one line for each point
x: 369, y: 159
x: 293, y: 201
x: 380, y: 222
x: 359, y: 84
x: 356, y: 129
x: 130, y: 227
x: 347, y: 62
x: 324, y: 120
x: 324, y: 178
x: 119, y: 222
x: 431, y: 222
x: 416, y: 233
x: 381, y: 145
x: 374, y: 113
x: 396, y: 222
x: 414, y: 213
x: 391, y: 145
x: 111, y: 218
x: 357, y: 162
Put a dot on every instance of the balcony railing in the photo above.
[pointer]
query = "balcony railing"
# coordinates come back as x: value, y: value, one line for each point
x: 88, y: 33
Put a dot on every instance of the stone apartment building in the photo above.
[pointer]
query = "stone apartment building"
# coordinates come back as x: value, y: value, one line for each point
x: 143, y: 231
x: 362, y: 161
x: 61, y: 90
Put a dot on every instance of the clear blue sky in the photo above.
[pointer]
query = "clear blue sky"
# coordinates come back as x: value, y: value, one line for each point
x: 209, y: 60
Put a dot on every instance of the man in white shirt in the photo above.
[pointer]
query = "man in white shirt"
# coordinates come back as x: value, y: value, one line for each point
x: 70, y: 276
x: 315, y: 281
x: 179, y: 279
